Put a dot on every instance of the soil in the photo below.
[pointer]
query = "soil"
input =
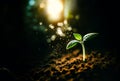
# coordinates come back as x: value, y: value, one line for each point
x: 70, y: 67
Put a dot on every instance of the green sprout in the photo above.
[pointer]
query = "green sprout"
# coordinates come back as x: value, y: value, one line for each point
x: 79, y: 39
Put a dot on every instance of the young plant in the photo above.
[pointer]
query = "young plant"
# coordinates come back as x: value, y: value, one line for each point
x: 79, y: 39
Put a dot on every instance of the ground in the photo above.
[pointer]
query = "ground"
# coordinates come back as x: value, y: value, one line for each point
x: 70, y: 67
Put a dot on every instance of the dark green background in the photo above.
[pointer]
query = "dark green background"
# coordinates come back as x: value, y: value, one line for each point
x: 19, y: 53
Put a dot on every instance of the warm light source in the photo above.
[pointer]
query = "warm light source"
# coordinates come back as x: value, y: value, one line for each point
x: 54, y: 9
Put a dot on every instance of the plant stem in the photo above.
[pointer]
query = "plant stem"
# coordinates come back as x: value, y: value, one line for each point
x: 83, y: 50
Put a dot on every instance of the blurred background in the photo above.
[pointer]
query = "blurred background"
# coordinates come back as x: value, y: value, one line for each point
x: 32, y: 29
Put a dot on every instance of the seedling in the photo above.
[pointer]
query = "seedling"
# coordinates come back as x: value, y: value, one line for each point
x: 79, y: 39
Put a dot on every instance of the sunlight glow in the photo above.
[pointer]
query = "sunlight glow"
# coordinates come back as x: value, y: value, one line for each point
x: 54, y: 9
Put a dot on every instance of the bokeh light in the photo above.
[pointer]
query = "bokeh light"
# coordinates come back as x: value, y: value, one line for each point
x: 31, y: 2
x: 52, y: 18
x: 59, y: 32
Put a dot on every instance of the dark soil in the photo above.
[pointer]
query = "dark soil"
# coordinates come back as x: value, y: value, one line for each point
x: 70, y: 67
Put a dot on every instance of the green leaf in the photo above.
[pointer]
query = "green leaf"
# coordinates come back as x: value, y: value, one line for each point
x: 72, y: 44
x: 89, y: 36
x: 77, y: 36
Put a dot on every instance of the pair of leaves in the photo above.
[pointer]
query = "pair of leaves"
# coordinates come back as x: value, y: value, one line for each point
x: 79, y: 39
